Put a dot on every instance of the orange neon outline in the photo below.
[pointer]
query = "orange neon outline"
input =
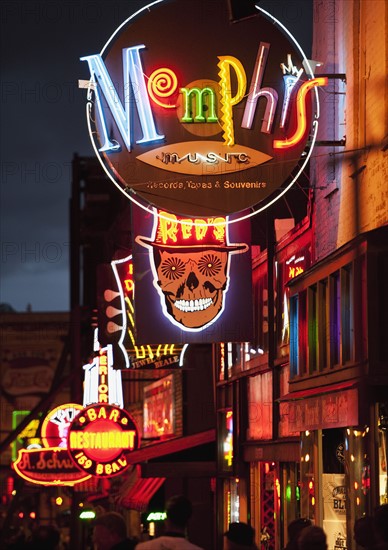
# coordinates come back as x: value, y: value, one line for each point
x: 227, y: 102
x: 301, y: 113
x: 43, y: 431
x: 153, y: 89
x: 56, y: 482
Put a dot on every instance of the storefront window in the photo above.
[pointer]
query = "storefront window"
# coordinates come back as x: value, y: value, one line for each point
x: 335, y: 486
x: 232, y: 500
x: 290, y: 487
x: 229, y: 360
x: 260, y: 406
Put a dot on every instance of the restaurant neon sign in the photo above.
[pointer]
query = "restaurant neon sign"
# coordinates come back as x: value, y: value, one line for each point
x: 100, y: 438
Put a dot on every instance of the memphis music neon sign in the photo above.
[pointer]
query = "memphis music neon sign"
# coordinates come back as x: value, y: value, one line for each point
x: 253, y: 89
x: 228, y: 66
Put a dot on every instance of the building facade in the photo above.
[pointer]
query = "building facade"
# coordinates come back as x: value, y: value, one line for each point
x: 309, y: 407
x: 35, y: 378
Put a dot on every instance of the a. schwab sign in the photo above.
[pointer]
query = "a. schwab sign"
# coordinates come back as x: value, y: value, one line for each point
x: 199, y: 115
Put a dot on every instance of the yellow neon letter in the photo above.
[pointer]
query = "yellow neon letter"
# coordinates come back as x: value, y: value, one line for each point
x: 219, y: 229
x: 168, y: 227
x: 114, y: 415
x: 187, y: 226
x: 91, y: 414
x: 102, y: 413
x: 200, y: 229
x: 227, y: 101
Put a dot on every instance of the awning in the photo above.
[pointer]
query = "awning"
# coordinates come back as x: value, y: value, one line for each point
x: 321, y: 390
x: 171, y: 446
x: 138, y: 497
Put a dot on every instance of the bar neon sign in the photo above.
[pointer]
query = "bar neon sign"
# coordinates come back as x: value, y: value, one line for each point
x: 100, y: 439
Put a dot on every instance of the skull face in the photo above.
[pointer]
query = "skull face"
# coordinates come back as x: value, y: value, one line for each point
x: 193, y: 284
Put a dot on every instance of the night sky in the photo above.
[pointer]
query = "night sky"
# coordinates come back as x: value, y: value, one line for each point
x: 43, y: 124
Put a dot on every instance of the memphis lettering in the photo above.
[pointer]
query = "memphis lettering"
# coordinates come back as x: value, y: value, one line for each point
x: 161, y: 87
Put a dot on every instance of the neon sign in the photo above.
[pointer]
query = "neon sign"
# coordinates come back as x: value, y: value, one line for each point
x: 190, y: 260
x: 56, y: 424
x: 29, y: 437
x: 100, y: 439
x: 156, y: 516
x: 295, y: 266
x: 49, y: 466
x: 161, y: 109
x: 228, y: 441
x: 103, y: 383
x: 140, y: 355
x: 52, y: 464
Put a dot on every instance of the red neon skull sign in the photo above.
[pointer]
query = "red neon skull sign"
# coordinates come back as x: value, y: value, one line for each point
x: 190, y: 259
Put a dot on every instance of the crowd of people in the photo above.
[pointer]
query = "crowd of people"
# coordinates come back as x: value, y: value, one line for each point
x: 110, y: 533
x: 370, y: 533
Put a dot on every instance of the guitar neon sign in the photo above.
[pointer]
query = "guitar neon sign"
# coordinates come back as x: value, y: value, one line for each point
x: 154, y: 111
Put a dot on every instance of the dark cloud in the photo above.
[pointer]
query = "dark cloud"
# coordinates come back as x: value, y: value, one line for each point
x: 43, y: 125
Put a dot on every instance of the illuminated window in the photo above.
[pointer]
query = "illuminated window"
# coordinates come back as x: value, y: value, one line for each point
x: 334, y: 319
x: 226, y: 430
x: 298, y: 333
x: 302, y: 322
x: 347, y: 313
x: 323, y: 324
x: 312, y: 328
x: 158, y: 408
x: 294, y: 325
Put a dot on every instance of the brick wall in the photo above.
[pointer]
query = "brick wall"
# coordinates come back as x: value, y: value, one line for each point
x: 351, y: 183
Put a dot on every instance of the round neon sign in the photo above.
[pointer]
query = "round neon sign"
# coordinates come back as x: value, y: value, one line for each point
x: 55, y: 426
x: 100, y: 439
x: 199, y: 116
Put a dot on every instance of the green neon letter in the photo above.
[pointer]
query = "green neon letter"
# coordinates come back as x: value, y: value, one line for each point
x: 199, y: 104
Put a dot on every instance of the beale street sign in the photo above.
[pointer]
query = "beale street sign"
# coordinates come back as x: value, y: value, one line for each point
x: 198, y: 115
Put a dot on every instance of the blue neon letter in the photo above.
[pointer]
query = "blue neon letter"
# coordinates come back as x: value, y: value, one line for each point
x: 132, y: 76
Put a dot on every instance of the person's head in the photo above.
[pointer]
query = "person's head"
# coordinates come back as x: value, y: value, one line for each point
x: 178, y: 511
x: 364, y: 531
x: 294, y: 529
x: 239, y: 536
x: 312, y: 538
x: 45, y: 537
x: 109, y: 529
x: 381, y: 523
